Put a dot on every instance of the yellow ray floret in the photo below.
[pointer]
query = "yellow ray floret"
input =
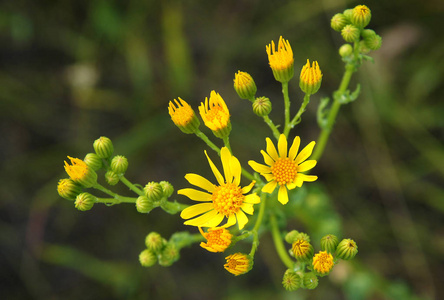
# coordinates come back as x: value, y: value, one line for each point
x: 285, y: 168
x: 224, y: 200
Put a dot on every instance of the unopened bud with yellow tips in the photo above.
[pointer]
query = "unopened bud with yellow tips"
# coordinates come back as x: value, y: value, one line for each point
x: 347, y: 249
x: 154, y: 242
x: 147, y: 258
x: 291, y: 280
x: 310, y: 281
x: 361, y: 16
x: 238, y: 263
x: 111, y: 178
x: 144, y: 204
x: 350, y: 33
x: 183, y: 116
x: 338, y: 22
x: 119, y: 164
x: 215, y: 114
x: 93, y: 161
x: 302, y: 250
x: 329, y: 243
x: 153, y: 190
x: 311, y: 78
x: 167, y: 188
x: 281, y: 60
x: 244, y: 85
x: 85, y: 201
x: 262, y: 106
x: 80, y: 172
x: 103, y: 147
x: 68, y: 189
x: 170, y: 254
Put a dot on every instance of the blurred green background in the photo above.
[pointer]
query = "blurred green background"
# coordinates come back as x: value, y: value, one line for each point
x: 72, y: 71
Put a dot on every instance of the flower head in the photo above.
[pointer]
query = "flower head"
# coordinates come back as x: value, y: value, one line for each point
x: 225, y: 200
x: 244, y: 85
x: 68, y: 189
x: 311, y: 77
x: 323, y: 262
x: 80, y: 173
x: 281, y: 61
x: 218, y: 239
x: 302, y: 250
x: 238, y: 263
x: 284, y: 169
x: 215, y: 114
x: 183, y: 116
x: 361, y: 16
x: 347, y: 249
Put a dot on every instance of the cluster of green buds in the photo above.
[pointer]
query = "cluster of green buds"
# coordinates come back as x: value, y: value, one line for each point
x: 310, y: 266
x: 351, y: 24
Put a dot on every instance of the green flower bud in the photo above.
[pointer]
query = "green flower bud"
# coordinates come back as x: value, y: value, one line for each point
x: 363, y: 48
x: 345, y: 50
x: 361, y: 16
x: 103, y: 147
x: 167, y: 188
x: 153, y: 191
x: 147, y: 258
x: 154, y: 242
x: 68, y: 189
x: 93, y: 161
x: 262, y: 106
x: 367, y: 33
x: 302, y: 250
x: 144, y: 204
x: 338, y: 22
x: 169, y: 255
x: 244, y: 85
x: 291, y: 281
x: 310, y: 281
x: 348, y: 14
x: 119, y: 164
x: 329, y: 243
x: 350, y: 33
x: 347, y: 249
x: 85, y: 201
x: 373, y: 42
x: 303, y: 236
x: 111, y: 178
x: 291, y: 237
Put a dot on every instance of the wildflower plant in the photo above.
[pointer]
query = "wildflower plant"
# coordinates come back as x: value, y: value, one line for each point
x: 224, y: 211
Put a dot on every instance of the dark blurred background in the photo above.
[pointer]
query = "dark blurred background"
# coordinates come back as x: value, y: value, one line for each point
x: 72, y: 71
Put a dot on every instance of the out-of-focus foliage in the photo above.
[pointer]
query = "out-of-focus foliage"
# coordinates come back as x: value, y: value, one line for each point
x: 72, y: 71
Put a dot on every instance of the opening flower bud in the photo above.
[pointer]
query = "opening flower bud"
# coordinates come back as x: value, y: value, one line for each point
x: 244, y: 85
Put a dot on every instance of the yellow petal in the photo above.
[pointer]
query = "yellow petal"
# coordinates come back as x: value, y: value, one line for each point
x: 214, y: 221
x: 283, y: 195
x: 267, y: 159
x: 225, y: 156
x: 282, y: 146
x: 216, y: 172
x: 294, y: 148
x: 269, y: 187
x: 241, y: 219
x: 248, y: 188
x: 200, y: 221
x: 231, y: 221
x: 236, y: 170
x: 309, y: 178
x: 195, y: 210
x: 259, y: 167
x: 268, y: 177
x: 292, y: 185
x: 305, y: 153
x: 195, y: 194
x: 306, y: 165
x: 200, y: 181
x: 248, y: 208
x: 252, y: 198
x: 271, y: 150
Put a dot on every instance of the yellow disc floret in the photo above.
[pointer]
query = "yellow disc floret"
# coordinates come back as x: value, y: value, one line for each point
x: 227, y: 199
x: 284, y: 170
x: 323, y: 262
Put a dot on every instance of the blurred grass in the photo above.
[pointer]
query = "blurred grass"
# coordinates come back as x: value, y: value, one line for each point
x: 75, y: 70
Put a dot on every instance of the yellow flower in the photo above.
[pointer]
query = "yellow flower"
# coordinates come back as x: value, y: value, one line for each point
x: 302, y: 250
x: 238, y: 263
x: 244, y: 85
x: 215, y: 114
x: 226, y: 200
x: 323, y: 262
x: 218, y: 239
x: 284, y: 169
x: 281, y: 61
x: 183, y: 116
x: 80, y: 172
x: 311, y: 77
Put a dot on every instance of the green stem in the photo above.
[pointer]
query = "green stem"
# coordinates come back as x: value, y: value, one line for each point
x: 202, y: 136
x: 287, y: 108
x: 227, y: 143
x: 273, y: 127
x: 297, y: 117
x: 279, y: 244
x: 116, y: 197
x: 258, y: 223
x: 131, y: 186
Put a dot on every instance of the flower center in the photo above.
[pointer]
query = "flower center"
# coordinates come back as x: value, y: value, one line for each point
x: 284, y: 170
x: 227, y: 199
x: 183, y: 115
x: 214, y: 237
x: 217, y: 113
